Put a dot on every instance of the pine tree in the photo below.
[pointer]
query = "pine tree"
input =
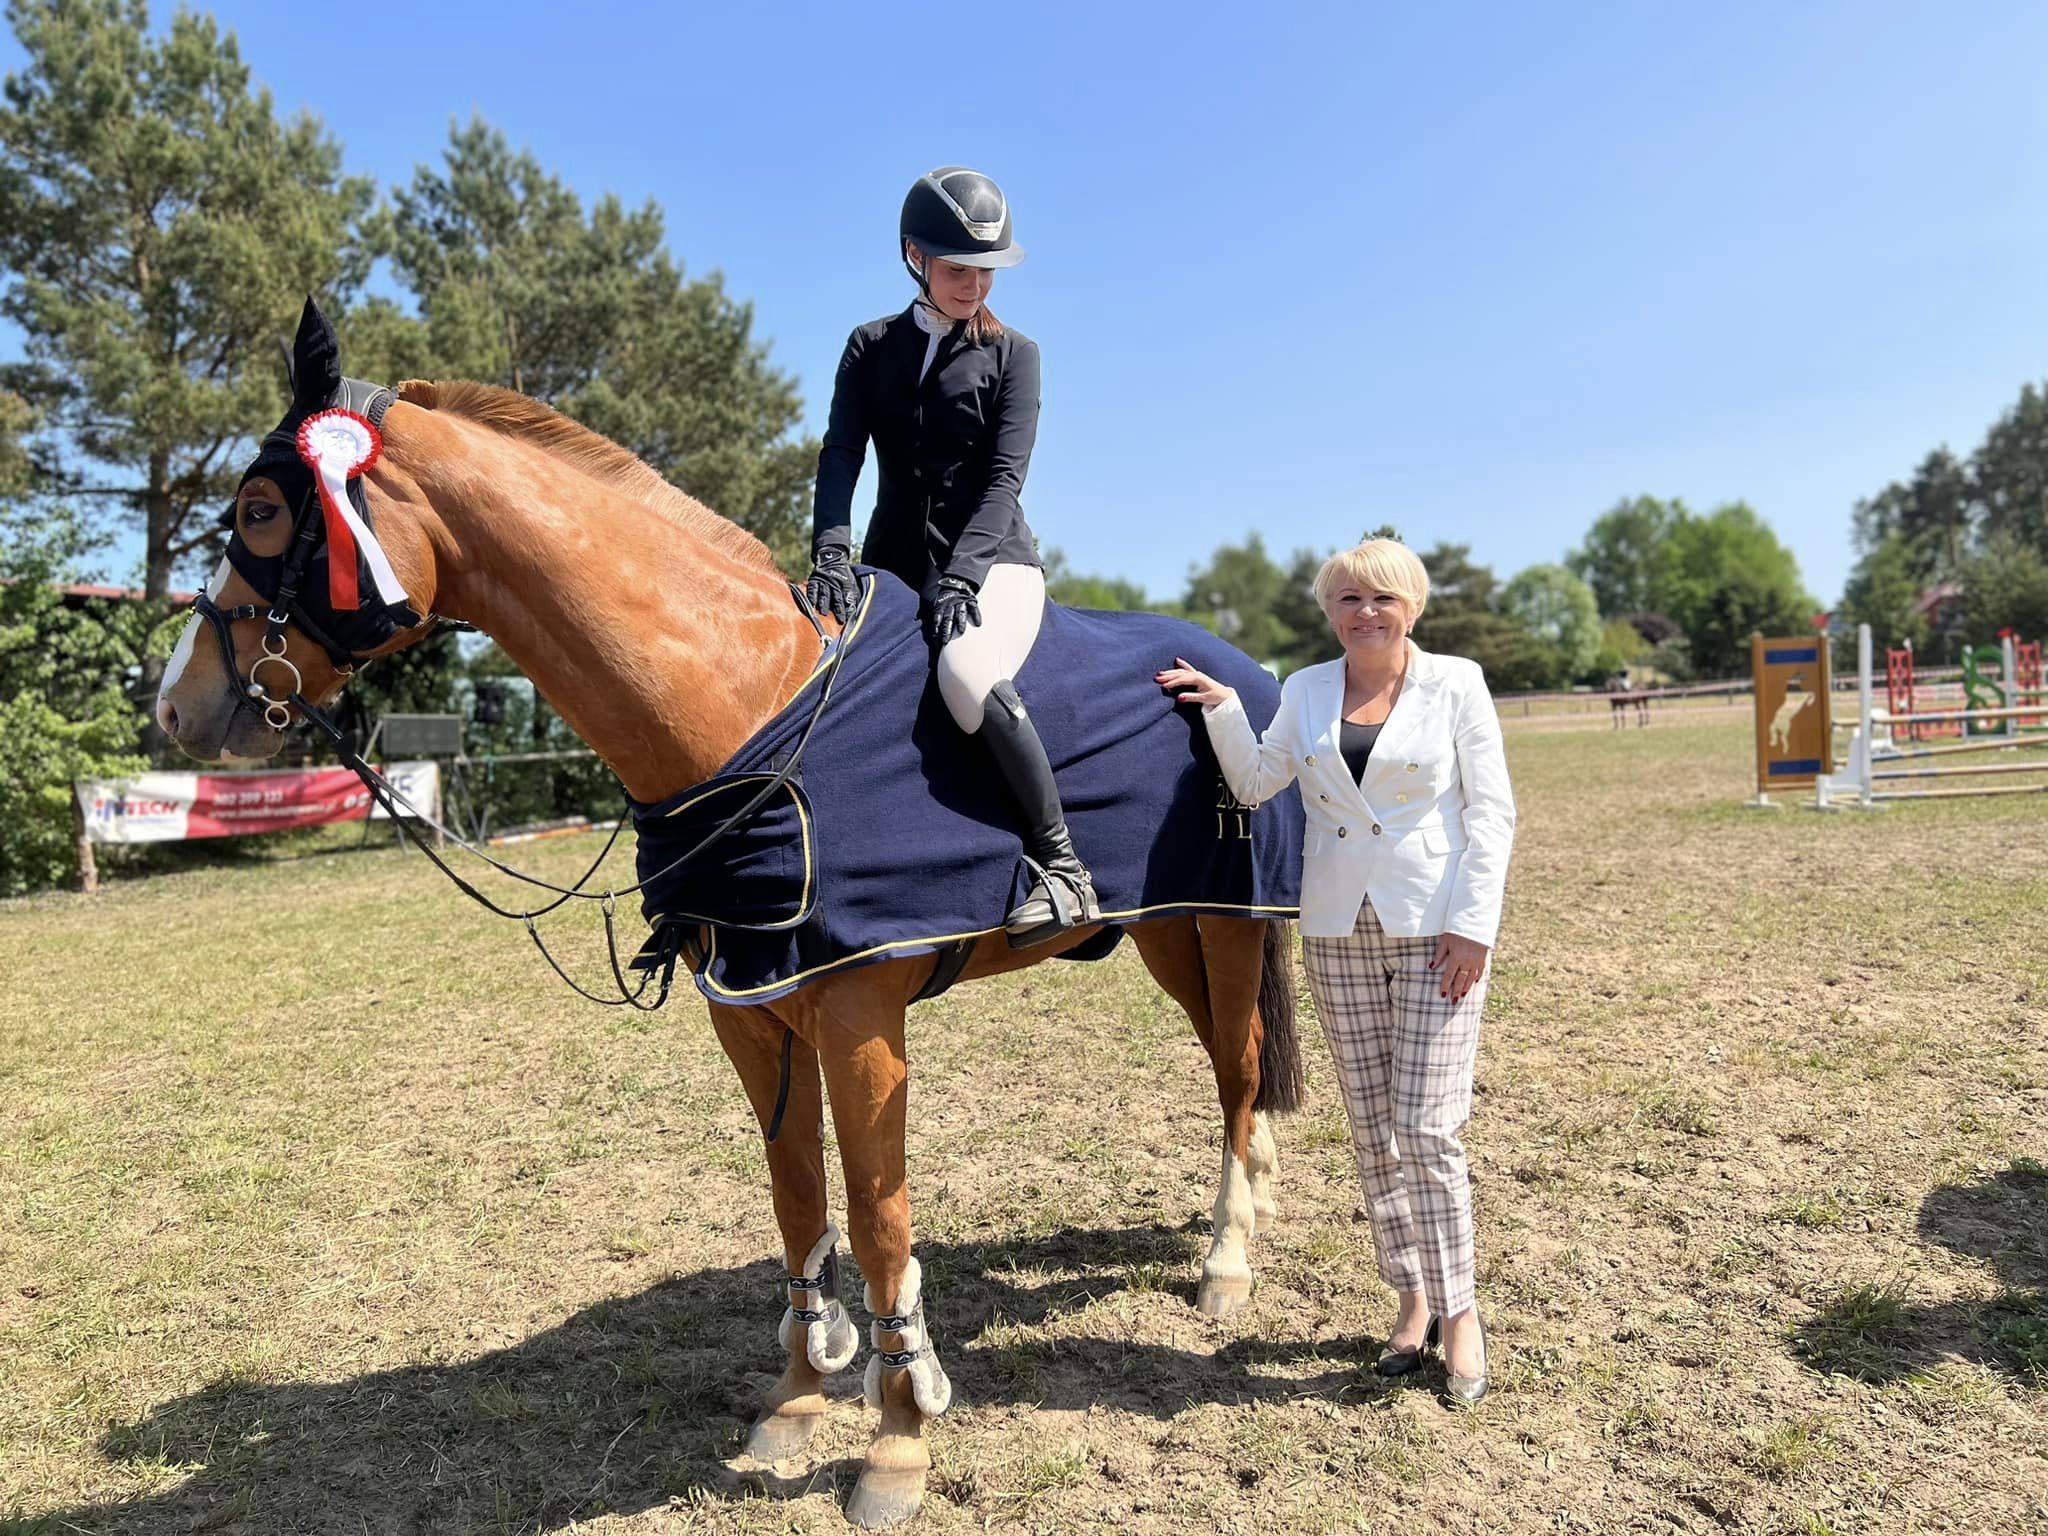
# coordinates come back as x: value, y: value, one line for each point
x: 159, y: 229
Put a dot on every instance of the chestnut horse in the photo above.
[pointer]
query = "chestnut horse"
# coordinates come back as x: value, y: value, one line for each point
x: 666, y: 636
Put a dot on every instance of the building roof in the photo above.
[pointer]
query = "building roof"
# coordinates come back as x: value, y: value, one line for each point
x: 82, y: 591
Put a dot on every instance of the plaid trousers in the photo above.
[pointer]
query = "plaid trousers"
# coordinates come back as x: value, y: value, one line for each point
x: 1404, y: 1061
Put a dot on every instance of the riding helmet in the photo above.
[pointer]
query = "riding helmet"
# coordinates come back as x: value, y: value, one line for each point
x: 957, y: 215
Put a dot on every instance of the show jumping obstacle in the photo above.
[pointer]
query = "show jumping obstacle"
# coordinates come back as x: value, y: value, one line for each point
x: 2012, y: 723
x: 1906, y: 693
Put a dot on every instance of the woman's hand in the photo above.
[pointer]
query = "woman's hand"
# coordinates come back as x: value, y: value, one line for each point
x: 954, y: 611
x: 1462, y: 962
x: 1191, y: 686
x: 833, y: 588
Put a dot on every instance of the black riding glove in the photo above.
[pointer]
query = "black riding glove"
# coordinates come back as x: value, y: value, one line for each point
x: 833, y: 588
x: 953, y: 611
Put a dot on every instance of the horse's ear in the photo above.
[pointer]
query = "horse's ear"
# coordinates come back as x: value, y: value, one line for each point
x: 316, y: 358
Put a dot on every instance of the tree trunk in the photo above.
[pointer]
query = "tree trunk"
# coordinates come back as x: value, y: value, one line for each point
x: 88, y: 869
x: 159, y: 531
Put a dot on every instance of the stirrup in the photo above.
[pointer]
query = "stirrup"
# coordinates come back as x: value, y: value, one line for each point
x: 1069, y: 900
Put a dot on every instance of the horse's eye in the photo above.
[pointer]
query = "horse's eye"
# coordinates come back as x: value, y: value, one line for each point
x: 260, y: 511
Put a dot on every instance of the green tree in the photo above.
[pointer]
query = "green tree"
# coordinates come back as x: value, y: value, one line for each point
x: 518, y: 287
x: 2005, y: 586
x: 1882, y: 592
x: 159, y: 228
x: 64, y: 711
x: 15, y: 468
x: 1931, y: 517
x: 1623, y: 556
x: 1462, y: 618
x: 2011, y: 471
x: 1297, y: 611
x: 1623, y: 648
x: 1727, y: 578
x: 1238, y: 595
x: 1072, y: 589
x: 1981, y: 524
x: 1556, y: 607
x: 64, y: 653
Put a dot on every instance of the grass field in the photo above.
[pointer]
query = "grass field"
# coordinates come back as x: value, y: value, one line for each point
x: 323, y: 1208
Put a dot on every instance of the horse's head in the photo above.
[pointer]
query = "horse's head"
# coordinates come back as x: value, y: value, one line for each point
x: 306, y: 591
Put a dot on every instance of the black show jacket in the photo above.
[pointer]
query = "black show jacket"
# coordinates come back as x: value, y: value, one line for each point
x: 951, y: 451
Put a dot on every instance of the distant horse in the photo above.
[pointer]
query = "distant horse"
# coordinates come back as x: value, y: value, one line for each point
x: 1622, y: 697
x: 665, y: 636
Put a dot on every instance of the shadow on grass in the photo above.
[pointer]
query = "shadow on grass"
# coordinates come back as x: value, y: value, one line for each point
x: 631, y: 1403
x: 1873, y: 1333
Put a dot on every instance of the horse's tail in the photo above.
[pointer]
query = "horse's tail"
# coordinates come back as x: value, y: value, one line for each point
x: 1280, y: 1084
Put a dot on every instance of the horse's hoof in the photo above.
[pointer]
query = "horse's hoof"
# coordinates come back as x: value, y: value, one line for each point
x: 1264, y: 1214
x: 1223, y: 1292
x: 884, y: 1498
x: 780, y: 1436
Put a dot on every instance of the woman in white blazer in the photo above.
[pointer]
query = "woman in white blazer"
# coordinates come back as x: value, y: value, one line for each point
x: 1397, y: 753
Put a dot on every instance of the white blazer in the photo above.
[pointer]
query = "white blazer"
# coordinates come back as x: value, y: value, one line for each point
x: 1425, y: 837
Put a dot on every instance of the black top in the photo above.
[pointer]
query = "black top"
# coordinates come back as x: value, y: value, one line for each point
x: 1355, y: 741
x: 951, y: 450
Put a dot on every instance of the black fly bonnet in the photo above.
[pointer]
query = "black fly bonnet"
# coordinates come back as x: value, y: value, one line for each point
x: 332, y: 582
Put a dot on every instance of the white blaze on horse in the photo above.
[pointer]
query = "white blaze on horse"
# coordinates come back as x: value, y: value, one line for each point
x: 666, y: 636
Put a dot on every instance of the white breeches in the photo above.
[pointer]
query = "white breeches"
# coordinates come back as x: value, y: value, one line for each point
x: 1012, y: 602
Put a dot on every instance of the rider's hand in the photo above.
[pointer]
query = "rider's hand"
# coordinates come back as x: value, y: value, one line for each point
x: 1460, y: 963
x: 833, y: 588
x: 953, y: 611
x: 1193, y: 687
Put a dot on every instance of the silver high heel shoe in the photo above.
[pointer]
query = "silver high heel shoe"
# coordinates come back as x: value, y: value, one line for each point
x: 1466, y: 1391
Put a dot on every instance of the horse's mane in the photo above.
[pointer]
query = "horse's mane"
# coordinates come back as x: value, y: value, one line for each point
x: 513, y: 415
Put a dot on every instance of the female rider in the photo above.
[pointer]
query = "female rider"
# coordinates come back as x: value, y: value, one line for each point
x: 949, y: 395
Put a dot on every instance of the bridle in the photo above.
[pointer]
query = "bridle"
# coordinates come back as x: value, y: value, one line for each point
x: 291, y: 602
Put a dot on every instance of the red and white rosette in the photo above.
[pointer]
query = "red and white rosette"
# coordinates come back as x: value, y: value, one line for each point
x: 337, y: 446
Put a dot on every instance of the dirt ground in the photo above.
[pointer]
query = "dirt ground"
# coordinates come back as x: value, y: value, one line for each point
x: 324, y: 1209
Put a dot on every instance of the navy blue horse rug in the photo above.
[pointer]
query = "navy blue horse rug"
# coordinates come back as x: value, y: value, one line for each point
x: 897, y: 836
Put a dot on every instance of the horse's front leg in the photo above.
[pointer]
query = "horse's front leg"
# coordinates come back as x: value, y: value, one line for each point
x: 815, y: 1328
x: 861, y: 1041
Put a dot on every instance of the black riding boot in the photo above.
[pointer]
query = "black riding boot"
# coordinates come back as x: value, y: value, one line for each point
x: 1063, y: 894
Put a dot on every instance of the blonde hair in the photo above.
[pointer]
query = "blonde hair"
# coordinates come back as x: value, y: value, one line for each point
x: 1377, y: 565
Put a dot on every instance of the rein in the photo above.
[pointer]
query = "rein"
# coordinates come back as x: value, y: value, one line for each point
x: 394, y: 803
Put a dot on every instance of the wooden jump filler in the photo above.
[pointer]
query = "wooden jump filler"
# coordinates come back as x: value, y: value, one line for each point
x: 1794, y: 725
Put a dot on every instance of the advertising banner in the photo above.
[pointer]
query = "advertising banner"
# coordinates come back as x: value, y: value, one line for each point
x: 171, y: 807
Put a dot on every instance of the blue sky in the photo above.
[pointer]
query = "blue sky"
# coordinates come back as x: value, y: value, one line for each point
x: 1477, y: 271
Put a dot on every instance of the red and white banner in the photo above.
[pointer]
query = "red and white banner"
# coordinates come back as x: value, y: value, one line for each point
x: 170, y: 807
